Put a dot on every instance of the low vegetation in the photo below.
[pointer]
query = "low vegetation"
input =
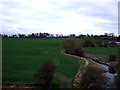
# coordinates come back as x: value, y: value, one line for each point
x: 23, y: 56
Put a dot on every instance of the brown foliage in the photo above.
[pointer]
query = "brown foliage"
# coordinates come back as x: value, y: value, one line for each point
x: 44, y: 75
x: 93, y: 77
x: 79, y: 51
x: 72, y: 47
x: 88, y: 42
x: 69, y: 45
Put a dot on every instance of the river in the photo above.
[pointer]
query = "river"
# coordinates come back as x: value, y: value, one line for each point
x: 110, y: 76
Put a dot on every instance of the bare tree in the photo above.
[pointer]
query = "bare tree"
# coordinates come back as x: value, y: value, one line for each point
x: 69, y: 45
x: 88, y: 42
x: 72, y: 47
x: 44, y: 75
x: 93, y: 77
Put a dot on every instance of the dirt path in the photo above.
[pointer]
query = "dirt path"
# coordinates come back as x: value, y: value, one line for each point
x: 78, y: 75
x: 81, y: 69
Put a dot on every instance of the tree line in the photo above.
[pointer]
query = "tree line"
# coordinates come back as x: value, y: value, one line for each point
x: 44, y: 35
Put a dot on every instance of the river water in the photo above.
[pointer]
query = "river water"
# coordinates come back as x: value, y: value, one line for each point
x: 110, y: 76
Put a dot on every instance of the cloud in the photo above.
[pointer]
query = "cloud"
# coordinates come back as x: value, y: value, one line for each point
x: 62, y: 17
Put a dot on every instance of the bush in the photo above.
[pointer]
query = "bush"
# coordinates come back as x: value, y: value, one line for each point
x: 69, y: 45
x: 112, y: 57
x: 99, y: 43
x: 93, y: 45
x: 79, y: 51
x: 93, y: 77
x: 88, y: 43
x: 105, y: 44
x: 44, y: 75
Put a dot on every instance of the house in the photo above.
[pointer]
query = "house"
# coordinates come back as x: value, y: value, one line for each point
x: 118, y: 44
x: 111, y: 34
x: 114, y: 43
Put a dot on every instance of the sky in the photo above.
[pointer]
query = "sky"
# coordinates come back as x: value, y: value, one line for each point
x: 59, y: 16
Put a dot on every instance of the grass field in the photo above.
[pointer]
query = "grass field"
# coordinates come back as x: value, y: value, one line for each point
x: 104, y: 52
x: 23, y: 56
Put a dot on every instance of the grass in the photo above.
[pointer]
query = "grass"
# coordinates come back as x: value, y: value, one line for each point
x: 23, y: 56
x: 103, y: 51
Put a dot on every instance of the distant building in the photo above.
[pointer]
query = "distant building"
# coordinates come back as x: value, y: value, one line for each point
x: 114, y: 43
x: 111, y: 34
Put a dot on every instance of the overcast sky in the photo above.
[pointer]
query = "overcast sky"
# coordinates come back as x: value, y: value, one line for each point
x: 59, y: 16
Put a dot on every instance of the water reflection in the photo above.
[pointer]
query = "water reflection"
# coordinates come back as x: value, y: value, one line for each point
x: 110, y: 76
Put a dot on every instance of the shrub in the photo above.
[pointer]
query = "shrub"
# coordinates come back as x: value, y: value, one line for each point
x: 99, y: 43
x: 105, y: 44
x: 93, y: 77
x: 112, y: 57
x: 93, y: 45
x: 44, y: 75
x: 69, y: 45
x: 79, y: 51
x: 88, y: 43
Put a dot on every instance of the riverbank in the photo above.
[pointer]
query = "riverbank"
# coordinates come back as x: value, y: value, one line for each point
x: 81, y: 69
x: 101, y: 60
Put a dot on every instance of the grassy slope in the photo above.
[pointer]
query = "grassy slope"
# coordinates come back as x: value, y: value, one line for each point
x: 23, y: 56
x: 105, y: 52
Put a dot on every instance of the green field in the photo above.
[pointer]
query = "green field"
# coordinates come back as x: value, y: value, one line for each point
x: 23, y: 56
x: 104, y: 52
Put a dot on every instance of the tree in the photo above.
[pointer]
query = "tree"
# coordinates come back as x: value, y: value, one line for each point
x: 70, y: 45
x: 99, y: 43
x: 88, y: 42
x: 118, y: 39
x: 44, y: 75
x: 93, y: 77
x: 79, y: 51
x: 105, y: 43
x: 112, y: 57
